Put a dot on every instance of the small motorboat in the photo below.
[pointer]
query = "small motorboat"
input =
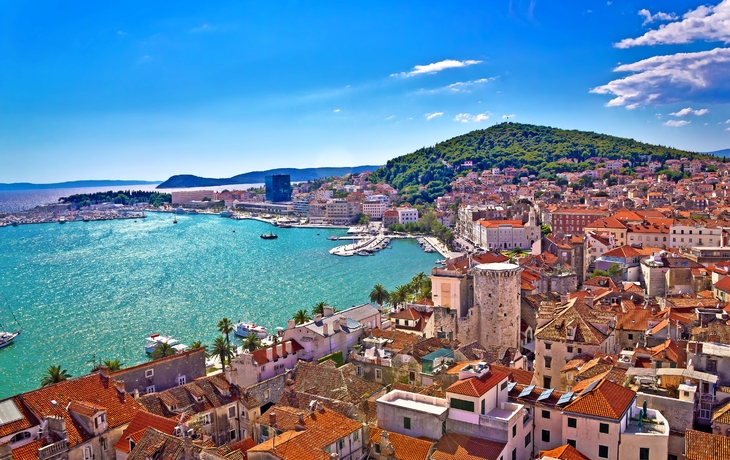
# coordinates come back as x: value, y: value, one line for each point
x: 154, y: 340
x: 243, y: 329
x: 174, y: 221
x: 269, y: 236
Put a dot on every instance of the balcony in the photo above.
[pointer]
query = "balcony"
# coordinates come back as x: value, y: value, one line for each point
x: 52, y: 450
x: 654, y: 424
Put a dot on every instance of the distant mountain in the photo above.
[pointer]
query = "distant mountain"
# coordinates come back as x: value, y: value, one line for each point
x: 74, y: 184
x: 538, y: 149
x: 720, y: 153
x: 257, y: 177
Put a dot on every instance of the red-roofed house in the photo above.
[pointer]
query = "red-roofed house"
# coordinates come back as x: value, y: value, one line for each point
x: 626, y: 257
x: 265, y: 363
x: 139, y: 424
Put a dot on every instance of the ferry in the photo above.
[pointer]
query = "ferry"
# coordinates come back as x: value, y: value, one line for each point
x: 154, y: 340
x: 243, y: 329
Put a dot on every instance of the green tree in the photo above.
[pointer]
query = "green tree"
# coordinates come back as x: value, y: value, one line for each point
x: 599, y: 273
x: 545, y: 230
x: 301, y: 317
x: 251, y: 342
x: 363, y: 219
x: 225, y: 327
x: 197, y: 344
x: 113, y: 364
x: 379, y: 295
x: 222, y: 349
x: 614, y: 270
x: 319, y: 308
x: 163, y: 350
x: 54, y: 374
x: 400, y: 295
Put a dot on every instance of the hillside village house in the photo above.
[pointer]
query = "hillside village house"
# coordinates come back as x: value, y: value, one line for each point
x: 250, y: 368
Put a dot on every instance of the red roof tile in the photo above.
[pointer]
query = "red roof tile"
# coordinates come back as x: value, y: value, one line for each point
x: 453, y: 446
x: 565, y: 452
x: 474, y: 386
x: 141, y: 421
x: 607, y: 399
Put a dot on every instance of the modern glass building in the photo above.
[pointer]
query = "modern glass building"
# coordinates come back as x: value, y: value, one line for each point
x: 278, y: 188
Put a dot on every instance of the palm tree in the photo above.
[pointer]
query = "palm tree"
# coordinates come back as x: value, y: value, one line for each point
x: 251, y: 342
x: 113, y: 364
x: 379, y: 295
x: 54, y: 374
x: 301, y: 317
x: 196, y: 344
x: 222, y: 349
x: 400, y: 295
x: 319, y: 309
x: 163, y: 350
x: 225, y: 327
x: 419, y: 281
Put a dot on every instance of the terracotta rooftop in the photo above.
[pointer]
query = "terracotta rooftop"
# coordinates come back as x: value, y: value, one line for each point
x: 575, y: 314
x: 453, y: 446
x: 622, y: 252
x: 517, y: 375
x: 141, y: 421
x: 565, y: 452
x: 474, y: 386
x: 332, y: 382
x: 260, y: 355
x: 405, y: 447
x: 706, y: 446
x: 607, y: 399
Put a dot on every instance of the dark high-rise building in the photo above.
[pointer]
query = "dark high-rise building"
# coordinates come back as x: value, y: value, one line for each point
x: 278, y: 187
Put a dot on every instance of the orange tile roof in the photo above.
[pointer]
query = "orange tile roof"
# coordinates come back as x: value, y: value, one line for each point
x: 28, y: 451
x: 260, y: 355
x: 94, y: 389
x: 453, y: 446
x: 517, y: 375
x: 474, y: 386
x: 607, y: 399
x: 405, y: 447
x: 565, y: 452
x: 706, y: 446
x: 27, y: 421
x: 623, y: 252
x: 141, y: 421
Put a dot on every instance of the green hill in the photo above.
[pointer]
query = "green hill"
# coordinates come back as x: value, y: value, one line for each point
x: 535, y: 148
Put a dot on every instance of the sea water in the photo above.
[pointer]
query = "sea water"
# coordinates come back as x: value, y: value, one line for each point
x: 94, y: 290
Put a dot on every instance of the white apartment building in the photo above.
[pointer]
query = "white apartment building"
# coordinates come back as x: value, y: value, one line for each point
x: 406, y: 215
x: 375, y: 209
x: 684, y: 234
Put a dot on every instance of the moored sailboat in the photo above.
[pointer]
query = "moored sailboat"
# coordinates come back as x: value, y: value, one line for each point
x: 6, y: 336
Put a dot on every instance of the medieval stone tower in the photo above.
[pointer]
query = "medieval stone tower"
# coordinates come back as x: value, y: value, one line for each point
x: 497, y: 304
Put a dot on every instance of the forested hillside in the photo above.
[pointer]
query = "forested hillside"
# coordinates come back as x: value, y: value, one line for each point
x: 536, y: 148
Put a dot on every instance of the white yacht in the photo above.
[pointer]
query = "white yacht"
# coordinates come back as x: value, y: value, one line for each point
x: 244, y: 329
x: 154, y: 340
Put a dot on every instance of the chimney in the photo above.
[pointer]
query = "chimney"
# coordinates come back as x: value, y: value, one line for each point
x: 280, y: 350
x: 288, y: 345
x: 325, y: 329
x: 564, y: 298
x: 320, y: 406
x: 6, y: 452
x: 301, y: 418
x: 328, y: 311
x: 136, y: 393
x: 317, y: 318
x: 291, y: 324
x: 336, y: 326
x: 104, y: 370
x: 386, y: 448
x: 589, y: 300
x: 270, y: 354
x: 272, y: 419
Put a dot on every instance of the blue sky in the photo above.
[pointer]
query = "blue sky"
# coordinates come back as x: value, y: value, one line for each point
x: 145, y: 90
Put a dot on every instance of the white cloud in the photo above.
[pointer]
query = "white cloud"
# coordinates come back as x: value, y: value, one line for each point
x: 649, y: 18
x: 727, y: 122
x: 390, y: 117
x: 203, y: 28
x: 608, y: 3
x: 336, y: 110
x: 430, y: 116
x: 709, y: 23
x: 677, y: 123
x: 463, y: 86
x: 435, y: 67
x: 689, y: 111
x: 507, y: 117
x: 467, y: 117
x: 670, y: 79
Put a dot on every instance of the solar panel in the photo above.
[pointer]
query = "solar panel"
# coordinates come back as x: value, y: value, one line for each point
x: 545, y: 394
x: 565, y: 399
x: 511, y: 386
x: 526, y: 391
x: 590, y: 387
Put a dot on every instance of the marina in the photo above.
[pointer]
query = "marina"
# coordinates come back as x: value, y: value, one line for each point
x: 103, y: 286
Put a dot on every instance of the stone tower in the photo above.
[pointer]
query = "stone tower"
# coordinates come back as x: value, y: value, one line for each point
x: 497, y: 304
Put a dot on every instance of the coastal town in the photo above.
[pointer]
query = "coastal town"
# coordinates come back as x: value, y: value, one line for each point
x: 585, y: 317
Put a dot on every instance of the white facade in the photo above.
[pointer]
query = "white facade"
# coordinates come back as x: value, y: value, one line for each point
x: 375, y: 209
x: 406, y: 215
x: 683, y: 236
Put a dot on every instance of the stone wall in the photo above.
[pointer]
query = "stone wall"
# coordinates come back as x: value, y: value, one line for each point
x: 165, y: 372
x: 679, y: 415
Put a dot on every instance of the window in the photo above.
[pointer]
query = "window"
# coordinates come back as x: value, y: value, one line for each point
x: 504, y: 385
x: 528, y: 439
x: 546, y: 414
x: 231, y: 411
x: 603, y: 451
x: 232, y: 434
x: 514, y: 430
x: 580, y: 350
x: 545, y: 436
x: 570, y: 377
x: 341, y: 444
x: 98, y: 421
x: 631, y: 336
x: 548, y: 362
x: 546, y: 382
x: 514, y: 454
x: 266, y: 394
x: 150, y: 389
x: 711, y: 365
x: 572, y: 422
x: 572, y: 442
x: 87, y: 452
x: 548, y: 345
x: 462, y: 405
x: 149, y: 373
x: 407, y: 423
x: 483, y: 401
x: 378, y: 374
x: 603, y: 428
x: 205, y: 419
x: 570, y: 349
x: 643, y: 453
x: 356, y: 436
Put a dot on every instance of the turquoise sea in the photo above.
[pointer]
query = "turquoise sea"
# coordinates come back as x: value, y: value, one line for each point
x: 97, y: 289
